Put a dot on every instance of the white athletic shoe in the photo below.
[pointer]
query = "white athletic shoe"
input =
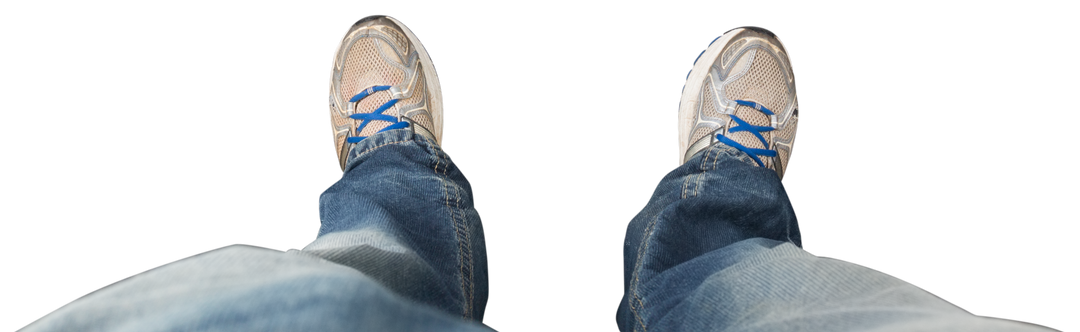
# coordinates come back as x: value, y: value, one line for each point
x: 741, y: 92
x: 383, y: 79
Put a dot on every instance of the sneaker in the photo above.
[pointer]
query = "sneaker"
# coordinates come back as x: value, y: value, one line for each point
x: 383, y: 79
x: 741, y: 93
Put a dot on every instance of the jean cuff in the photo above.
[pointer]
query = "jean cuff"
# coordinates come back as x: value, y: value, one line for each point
x: 390, y: 137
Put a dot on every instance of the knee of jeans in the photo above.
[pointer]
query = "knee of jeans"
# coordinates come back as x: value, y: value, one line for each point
x: 403, y: 272
x: 370, y: 237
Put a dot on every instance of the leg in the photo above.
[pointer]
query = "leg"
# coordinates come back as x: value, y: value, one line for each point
x: 400, y: 248
x: 244, y: 288
x: 718, y: 245
x: 717, y: 248
x: 402, y: 214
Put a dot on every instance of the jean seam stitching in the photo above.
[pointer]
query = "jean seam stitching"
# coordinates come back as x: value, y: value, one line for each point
x: 698, y: 177
x: 453, y: 220
x: 462, y: 235
x: 438, y: 161
x: 466, y: 248
x: 715, y: 160
x: 686, y: 182
x: 643, y: 247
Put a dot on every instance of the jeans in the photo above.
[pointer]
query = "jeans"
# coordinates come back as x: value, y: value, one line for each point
x: 401, y: 248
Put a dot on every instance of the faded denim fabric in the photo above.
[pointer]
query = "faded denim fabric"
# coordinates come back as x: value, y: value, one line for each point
x: 401, y: 248
x: 717, y: 248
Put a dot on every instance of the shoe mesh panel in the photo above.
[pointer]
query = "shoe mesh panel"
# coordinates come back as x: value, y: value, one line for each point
x: 787, y: 135
x: 709, y: 104
x: 708, y: 108
x: 364, y: 68
x: 416, y: 106
x: 765, y: 84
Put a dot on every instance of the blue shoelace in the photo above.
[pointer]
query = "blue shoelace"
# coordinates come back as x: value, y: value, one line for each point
x: 756, y: 130
x: 376, y: 115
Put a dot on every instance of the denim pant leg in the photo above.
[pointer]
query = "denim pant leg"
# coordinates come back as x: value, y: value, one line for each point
x: 718, y: 248
x: 400, y: 249
x: 403, y: 214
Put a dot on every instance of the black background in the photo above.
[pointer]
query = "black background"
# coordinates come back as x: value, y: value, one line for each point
x: 175, y: 131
